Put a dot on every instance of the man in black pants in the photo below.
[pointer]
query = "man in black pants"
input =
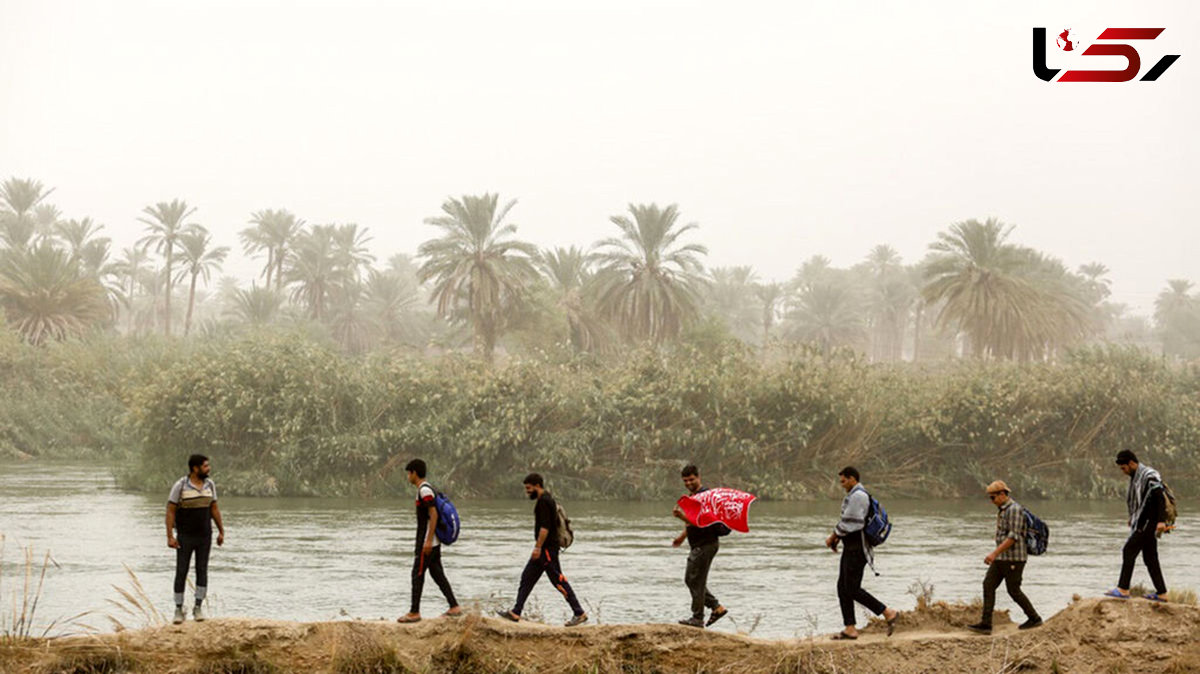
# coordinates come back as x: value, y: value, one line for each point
x: 1007, y: 562
x: 704, y: 543
x: 544, y: 557
x: 191, y: 510
x: 428, y: 551
x: 1147, y: 504
x: 855, y: 553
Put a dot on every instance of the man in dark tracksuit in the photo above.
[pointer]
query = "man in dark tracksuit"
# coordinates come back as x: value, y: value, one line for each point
x: 855, y: 553
x: 704, y: 543
x: 1007, y: 562
x: 1147, y: 503
x: 544, y: 559
x: 428, y: 553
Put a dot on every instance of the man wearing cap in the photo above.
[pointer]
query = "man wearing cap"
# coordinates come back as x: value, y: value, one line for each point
x: 1007, y: 562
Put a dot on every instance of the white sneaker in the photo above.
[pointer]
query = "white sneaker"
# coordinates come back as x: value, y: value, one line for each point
x: 198, y: 614
x: 179, y: 617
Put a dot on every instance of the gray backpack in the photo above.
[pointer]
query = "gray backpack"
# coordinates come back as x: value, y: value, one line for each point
x: 566, y: 535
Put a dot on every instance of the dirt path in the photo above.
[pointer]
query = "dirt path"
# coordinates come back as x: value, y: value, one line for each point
x: 1089, y: 636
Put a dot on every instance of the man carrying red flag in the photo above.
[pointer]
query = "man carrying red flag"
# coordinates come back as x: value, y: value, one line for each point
x: 704, y: 542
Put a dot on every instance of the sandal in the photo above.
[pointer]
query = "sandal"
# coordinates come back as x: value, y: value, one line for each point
x: 715, y: 616
x: 842, y: 636
x: 1153, y: 596
x: 891, y: 624
x: 1116, y: 594
x: 408, y: 619
x: 448, y: 614
x: 508, y: 615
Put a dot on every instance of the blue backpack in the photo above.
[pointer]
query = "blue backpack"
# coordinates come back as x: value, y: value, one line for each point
x: 1037, y: 534
x: 448, y: 522
x: 878, y: 527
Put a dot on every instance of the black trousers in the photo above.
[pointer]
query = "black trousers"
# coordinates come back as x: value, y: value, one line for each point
x: 432, y: 563
x: 200, y: 546
x: 849, y: 585
x: 548, y: 564
x: 1142, y: 542
x: 699, y: 561
x: 1010, y: 573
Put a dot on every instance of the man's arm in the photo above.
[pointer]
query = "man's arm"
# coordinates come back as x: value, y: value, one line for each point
x: 543, y: 533
x: 427, y: 546
x: 216, y: 515
x: 171, y: 542
x: 1006, y: 544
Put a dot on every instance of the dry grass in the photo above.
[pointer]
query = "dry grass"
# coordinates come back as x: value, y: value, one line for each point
x: 135, y: 604
x: 17, y: 622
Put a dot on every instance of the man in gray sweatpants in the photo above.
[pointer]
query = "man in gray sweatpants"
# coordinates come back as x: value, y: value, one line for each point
x: 704, y: 543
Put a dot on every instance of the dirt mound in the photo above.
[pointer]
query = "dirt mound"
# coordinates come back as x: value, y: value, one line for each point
x: 1089, y: 636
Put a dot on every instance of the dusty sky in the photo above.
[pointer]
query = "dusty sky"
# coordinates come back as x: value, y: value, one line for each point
x: 784, y: 130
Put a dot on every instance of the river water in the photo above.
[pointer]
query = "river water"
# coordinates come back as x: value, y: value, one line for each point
x: 329, y: 559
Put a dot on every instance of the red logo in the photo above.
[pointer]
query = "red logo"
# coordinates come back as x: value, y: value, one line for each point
x: 1067, y: 41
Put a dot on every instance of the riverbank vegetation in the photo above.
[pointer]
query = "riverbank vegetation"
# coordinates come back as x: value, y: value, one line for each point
x: 605, y: 368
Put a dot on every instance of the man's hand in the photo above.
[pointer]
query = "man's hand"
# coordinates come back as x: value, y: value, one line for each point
x: 1160, y: 529
x: 220, y: 538
x: 427, y: 548
x: 678, y: 513
x: 832, y: 542
x: 171, y: 542
x: 990, y: 558
x: 679, y: 540
x: 537, y: 552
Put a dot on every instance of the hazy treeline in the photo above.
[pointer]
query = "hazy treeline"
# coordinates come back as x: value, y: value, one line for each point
x: 284, y: 414
x: 475, y: 284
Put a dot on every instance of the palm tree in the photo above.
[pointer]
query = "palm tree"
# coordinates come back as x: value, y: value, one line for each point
x: 198, y: 261
x: 729, y: 295
x: 315, y: 270
x: 76, y: 234
x: 45, y: 295
x: 387, y: 297
x: 131, y: 267
x: 771, y: 296
x: 165, y: 225
x: 256, y: 306
x: 476, y: 263
x: 649, y: 286
x: 274, y: 231
x: 827, y: 314
x: 1177, y: 314
x: 568, y: 272
x: 20, y: 198
x: 889, y: 299
x: 350, y: 248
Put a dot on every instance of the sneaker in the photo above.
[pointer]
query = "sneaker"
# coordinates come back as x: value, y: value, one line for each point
x: 982, y: 628
x: 179, y: 616
x: 198, y: 614
x: 692, y: 622
x: 576, y: 620
x: 1030, y: 624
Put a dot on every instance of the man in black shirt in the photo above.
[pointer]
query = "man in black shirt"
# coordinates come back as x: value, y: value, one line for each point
x: 427, y: 554
x: 1146, y: 500
x: 704, y: 543
x: 544, y: 557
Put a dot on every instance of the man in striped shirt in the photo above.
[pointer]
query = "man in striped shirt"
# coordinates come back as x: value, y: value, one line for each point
x: 1007, y: 562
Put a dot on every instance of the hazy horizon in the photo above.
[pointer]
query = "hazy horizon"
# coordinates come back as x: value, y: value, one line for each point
x: 784, y: 131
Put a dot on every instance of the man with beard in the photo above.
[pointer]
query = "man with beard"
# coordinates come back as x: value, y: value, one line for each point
x: 543, y: 559
x: 1146, y: 500
x: 704, y: 543
x: 191, y: 510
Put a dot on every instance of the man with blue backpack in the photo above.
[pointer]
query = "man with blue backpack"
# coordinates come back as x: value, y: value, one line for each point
x: 858, y: 511
x: 428, y: 552
x: 1007, y: 561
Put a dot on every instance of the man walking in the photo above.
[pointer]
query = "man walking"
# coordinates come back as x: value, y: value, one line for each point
x: 855, y: 555
x: 191, y: 510
x: 704, y: 543
x: 1007, y: 562
x: 1147, y: 504
x: 543, y: 559
x: 428, y: 552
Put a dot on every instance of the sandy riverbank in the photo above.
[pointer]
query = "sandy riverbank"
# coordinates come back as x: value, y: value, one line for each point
x: 1089, y: 636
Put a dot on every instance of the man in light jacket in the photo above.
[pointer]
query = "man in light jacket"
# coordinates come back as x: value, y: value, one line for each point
x: 855, y: 552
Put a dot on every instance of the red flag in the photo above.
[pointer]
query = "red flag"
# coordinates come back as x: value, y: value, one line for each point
x: 727, y: 506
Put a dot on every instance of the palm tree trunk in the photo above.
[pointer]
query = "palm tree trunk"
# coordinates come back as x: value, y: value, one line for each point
x: 167, y: 311
x: 187, y: 322
x: 917, y: 332
x: 132, y: 282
